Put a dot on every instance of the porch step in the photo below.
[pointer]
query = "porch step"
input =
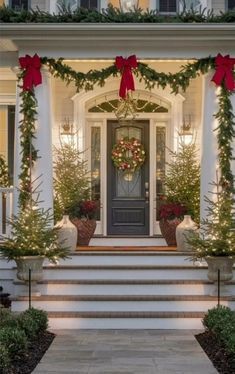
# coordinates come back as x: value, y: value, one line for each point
x: 125, y: 287
x: 120, y: 303
x: 125, y: 272
x: 128, y: 241
x: 117, y: 289
x: 126, y: 320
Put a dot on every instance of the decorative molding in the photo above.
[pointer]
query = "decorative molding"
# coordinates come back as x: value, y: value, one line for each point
x: 7, y: 99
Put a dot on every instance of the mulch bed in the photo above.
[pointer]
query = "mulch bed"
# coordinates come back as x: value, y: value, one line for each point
x: 222, y: 361
x: 36, y: 350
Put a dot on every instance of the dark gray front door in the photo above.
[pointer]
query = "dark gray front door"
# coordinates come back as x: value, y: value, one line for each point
x: 128, y: 205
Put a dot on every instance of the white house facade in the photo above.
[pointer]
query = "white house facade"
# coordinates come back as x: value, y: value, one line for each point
x: 131, y: 216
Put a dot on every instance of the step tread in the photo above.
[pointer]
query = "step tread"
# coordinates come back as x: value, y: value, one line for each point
x: 123, y: 298
x: 123, y: 281
x: 140, y: 251
x: 124, y: 267
x: 126, y: 314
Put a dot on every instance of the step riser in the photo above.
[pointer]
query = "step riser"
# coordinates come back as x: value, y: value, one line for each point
x: 126, y: 323
x: 193, y: 273
x: 7, y: 274
x: 128, y: 242
x: 121, y: 306
x: 135, y: 289
x: 125, y: 259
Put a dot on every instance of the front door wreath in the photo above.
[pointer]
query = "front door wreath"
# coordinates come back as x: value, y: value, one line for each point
x: 128, y: 154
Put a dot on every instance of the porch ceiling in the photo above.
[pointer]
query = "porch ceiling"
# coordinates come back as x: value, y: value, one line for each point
x: 108, y: 40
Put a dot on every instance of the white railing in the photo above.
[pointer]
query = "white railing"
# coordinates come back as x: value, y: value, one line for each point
x: 6, y: 209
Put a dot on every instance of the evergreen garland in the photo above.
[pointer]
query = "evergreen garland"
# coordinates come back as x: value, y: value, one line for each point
x: 112, y: 15
x: 87, y: 81
x: 226, y: 133
x: 28, y: 151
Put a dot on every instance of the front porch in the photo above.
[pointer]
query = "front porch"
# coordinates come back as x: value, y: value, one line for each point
x: 92, y: 119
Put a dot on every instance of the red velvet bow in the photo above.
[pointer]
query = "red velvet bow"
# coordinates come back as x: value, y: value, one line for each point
x: 127, y: 81
x: 224, y: 71
x: 32, y: 75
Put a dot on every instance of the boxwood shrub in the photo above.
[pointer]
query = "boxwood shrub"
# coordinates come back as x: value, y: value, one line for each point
x: 15, y: 341
x: 39, y: 317
x: 16, y: 331
x: 221, y: 321
x: 5, y: 361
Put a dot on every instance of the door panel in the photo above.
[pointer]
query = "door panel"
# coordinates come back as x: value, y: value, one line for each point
x: 128, y: 205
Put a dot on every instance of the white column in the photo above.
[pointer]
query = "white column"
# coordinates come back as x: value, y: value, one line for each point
x: 209, y: 151
x: 17, y: 148
x: 43, y: 168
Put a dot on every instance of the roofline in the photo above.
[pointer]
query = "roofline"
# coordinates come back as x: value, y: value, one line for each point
x: 161, y: 31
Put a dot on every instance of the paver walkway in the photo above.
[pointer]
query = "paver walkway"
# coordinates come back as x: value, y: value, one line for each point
x: 125, y: 352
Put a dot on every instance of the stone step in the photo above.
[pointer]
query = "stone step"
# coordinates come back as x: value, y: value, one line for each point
x: 125, y: 272
x: 124, y: 287
x: 120, y: 303
x: 127, y: 257
x: 125, y: 320
x: 128, y: 241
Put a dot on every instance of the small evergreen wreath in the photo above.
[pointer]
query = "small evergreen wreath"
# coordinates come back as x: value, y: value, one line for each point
x: 128, y: 154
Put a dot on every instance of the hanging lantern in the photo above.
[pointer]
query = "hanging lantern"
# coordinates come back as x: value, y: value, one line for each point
x: 186, y: 132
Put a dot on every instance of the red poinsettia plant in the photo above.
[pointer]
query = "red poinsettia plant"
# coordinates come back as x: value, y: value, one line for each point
x: 88, y: 208
x: 171, y: 210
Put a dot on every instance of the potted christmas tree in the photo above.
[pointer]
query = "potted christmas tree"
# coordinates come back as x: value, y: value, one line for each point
x: 32, y: 239
x: 182, y: 196
x: 216, y: 240
x: 73, y: 196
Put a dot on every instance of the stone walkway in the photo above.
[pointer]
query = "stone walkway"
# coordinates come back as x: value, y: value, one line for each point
x: 125, y: 352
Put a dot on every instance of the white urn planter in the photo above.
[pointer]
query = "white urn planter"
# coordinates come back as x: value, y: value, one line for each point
x: 225, y: 265
x: 67, y: 233
x: 35, y: 264
x: 183, y: 231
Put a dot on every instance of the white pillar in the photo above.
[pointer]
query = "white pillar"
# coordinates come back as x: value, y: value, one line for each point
x: 43, y: 168
x: 209, y: 151
x: 17, y: 148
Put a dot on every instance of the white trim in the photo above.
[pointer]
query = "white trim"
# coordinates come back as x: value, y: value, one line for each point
x: 7, y: 99
x: 102, y: 41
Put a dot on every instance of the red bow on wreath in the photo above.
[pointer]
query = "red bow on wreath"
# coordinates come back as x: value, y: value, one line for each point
x: 224, y: 71
x: 127, y: 81
x: 32, y: 75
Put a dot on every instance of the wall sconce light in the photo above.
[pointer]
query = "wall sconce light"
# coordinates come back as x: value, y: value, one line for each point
x: 67, y: 134
x: 128, y: 5
x: 186, y: 131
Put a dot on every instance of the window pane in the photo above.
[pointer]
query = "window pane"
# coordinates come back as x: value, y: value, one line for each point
x: 231, y: 4
x: 11, y: 140
x: 160, y: 165
x: 89, y: 4
x: 95, y: 165
x: 19, y: 4
x: 167, y: 6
